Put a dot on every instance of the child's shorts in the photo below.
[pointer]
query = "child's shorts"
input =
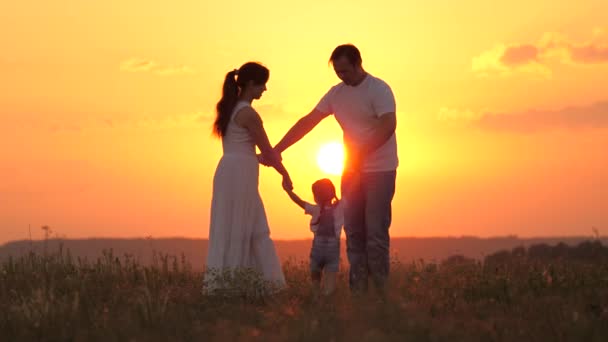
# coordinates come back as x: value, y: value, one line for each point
x: 325, y: 254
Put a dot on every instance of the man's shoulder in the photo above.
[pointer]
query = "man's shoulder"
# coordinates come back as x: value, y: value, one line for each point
x: 377, y: 81
x: 333, y: 91
x: 336, y: 87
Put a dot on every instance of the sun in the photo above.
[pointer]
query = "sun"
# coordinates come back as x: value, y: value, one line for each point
x: 331, y: 158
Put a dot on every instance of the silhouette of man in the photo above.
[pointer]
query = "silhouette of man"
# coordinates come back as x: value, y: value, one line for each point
x: 364, y: 107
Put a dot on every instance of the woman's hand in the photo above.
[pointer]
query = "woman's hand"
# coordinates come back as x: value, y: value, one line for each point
x: 269, y: 159
x: 262, y: 160
x: 287, y: 184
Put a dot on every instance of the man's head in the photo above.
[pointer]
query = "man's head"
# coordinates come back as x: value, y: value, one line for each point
x: 347, y: 63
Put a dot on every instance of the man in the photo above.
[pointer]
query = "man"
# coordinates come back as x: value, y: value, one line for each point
x: 364, y: 106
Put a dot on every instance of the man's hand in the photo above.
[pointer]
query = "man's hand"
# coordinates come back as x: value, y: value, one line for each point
x: 262, y: 160
x: 266, y: 161
x: 354, y: 158
x: 277, y: 153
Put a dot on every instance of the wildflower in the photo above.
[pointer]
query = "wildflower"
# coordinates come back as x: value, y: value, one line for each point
x: 255, y: 332
x: 289, y: 311
x: 547, y: 277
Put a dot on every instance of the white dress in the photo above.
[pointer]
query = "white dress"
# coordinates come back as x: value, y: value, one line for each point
x: 239, y: 236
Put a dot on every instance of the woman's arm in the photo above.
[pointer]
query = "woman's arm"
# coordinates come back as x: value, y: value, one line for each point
x: 250, y: 119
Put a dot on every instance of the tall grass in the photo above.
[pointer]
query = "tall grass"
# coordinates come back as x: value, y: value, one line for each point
x: 57, y: 297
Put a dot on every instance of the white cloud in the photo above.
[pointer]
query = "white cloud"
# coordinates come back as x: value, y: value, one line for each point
x: 145, y: 65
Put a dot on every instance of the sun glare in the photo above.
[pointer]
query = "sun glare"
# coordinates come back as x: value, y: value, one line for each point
x: 331, y: 158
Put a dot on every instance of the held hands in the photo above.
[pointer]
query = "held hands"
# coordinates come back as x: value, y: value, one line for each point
x: 267, y: 160
x: 262, y: 160
x: 274, y: 159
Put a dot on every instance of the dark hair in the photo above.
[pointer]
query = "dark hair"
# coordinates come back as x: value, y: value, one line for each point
x: 324, y: 190
x: 349, y: 51
x: 234, y: 82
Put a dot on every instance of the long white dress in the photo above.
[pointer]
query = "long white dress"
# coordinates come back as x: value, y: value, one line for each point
x: 239, y: 236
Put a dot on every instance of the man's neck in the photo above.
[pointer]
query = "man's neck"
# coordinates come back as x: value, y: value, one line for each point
x: 360, y: 79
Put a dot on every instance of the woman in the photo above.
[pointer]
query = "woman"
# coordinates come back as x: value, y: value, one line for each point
x: 239, y: 237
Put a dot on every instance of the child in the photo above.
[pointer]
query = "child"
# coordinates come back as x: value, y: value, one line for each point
x: 326, y: 224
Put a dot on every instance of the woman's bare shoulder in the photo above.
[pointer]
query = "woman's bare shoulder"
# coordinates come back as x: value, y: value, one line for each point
x: 245, y: 116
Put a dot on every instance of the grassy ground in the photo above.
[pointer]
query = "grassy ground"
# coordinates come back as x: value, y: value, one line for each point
x: 60, y: 298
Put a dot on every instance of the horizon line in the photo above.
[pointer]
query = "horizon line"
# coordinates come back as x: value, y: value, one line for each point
x: 509, y: 236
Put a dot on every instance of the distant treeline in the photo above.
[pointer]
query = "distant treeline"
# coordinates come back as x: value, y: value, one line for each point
x: 592, y: 251
x: 586, y: 251
x: 403, y: 249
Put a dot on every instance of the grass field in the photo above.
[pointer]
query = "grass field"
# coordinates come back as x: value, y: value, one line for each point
x: 57, y: 297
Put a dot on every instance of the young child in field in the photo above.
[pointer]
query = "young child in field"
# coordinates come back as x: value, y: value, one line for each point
x: 327, y: 219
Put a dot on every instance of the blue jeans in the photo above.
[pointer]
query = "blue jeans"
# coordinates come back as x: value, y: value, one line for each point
x: 367, y: 218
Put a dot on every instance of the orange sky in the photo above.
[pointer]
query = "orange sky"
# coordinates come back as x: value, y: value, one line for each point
x: 106, y: 110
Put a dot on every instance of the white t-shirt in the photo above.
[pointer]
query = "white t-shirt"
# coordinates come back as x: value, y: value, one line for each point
x: 357, y: 109
x: 315, y: 211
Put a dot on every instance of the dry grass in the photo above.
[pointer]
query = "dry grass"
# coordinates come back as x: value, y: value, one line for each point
x: 58, y: 297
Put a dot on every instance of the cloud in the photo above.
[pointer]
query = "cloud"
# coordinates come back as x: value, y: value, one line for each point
x: 205, y: 117
x: 172, y: 121
x: 272, y: 111
x: 137, y: 65
x: 505, y: 60
x: 536, y: 58
x: 269, y: 112
x: 160, y: 122
x: 581, y: 117
x: 145, y: 65
x: 65, y: 128
x: 588, y: 54
x: 519, y: 55
x: 453, y: 114
x: 175, y: 70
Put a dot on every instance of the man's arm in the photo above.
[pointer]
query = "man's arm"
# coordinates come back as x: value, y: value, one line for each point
x: 383, y: 104
x: 300, y: 129
x: 386, y: 126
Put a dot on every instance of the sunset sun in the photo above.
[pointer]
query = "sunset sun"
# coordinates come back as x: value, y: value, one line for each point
x: 331, y: 158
